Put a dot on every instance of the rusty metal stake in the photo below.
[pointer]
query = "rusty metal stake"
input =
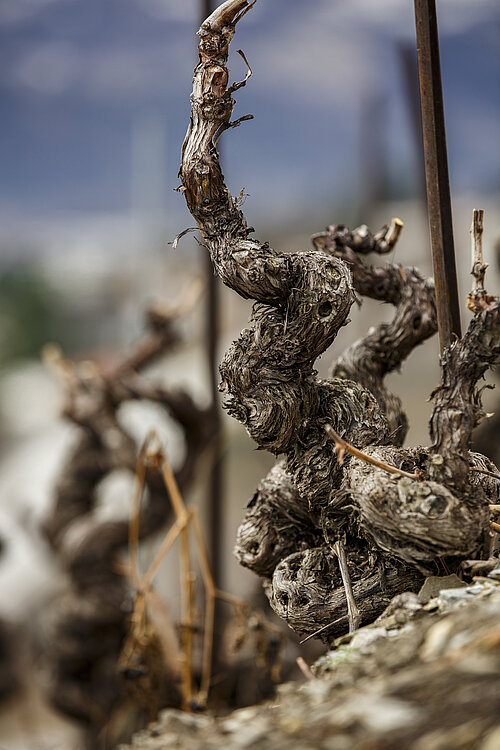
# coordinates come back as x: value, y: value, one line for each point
x: 436, y: 172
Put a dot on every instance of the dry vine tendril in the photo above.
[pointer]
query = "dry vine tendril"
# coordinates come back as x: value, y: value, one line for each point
x: 390, y: 528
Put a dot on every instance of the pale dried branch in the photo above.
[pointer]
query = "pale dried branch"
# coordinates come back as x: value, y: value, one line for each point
x: 304, y: 668
x: 322, y: 630
x: 478, y: 265
x: 352, y: 609
x: 478, y: 299
x: 342, y: 447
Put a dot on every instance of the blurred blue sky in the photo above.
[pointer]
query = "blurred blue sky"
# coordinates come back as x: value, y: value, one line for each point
x: 95, y: 102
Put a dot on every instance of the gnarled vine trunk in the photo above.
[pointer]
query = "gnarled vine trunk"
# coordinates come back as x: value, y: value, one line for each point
x: 391, y: 527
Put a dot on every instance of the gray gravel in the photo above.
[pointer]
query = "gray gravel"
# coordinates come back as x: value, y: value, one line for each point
x: 425, y: 676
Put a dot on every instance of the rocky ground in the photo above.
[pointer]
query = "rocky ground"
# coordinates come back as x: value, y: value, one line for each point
x: 425, y: 676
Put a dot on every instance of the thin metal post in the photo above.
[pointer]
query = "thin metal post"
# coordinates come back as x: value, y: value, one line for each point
x: 215, y: 479
x: 436, y: 171
x: 214, y: 499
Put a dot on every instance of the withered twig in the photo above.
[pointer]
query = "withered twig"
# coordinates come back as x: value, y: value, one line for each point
x: 361, y: 240
x: 322, y: 629
x: 478, y: 265
x: 181, y: 234
x: 185, y: 518
x: 392, y: 234
x: 152, y: 456
x: 210, y: 596
x: 495, y: 526
x: 304, y: 668
x: 187, y: 575
x: 478, y: 299
x: 165, y: 546
x: 144, y: 586
x: 134, y: 530
x: 342, y: 447
x: 239, y: 84
x: 352, y: 609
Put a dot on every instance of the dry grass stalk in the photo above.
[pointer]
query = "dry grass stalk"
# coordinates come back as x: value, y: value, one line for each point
x: 142, y: 632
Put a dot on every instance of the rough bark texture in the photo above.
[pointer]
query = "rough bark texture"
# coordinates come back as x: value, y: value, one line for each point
x: 486, y: 439
x: 385, y: 347
x: 307, y: 591
x: 393, y: 528
x: 276, y: 524
x: 457, y: 401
